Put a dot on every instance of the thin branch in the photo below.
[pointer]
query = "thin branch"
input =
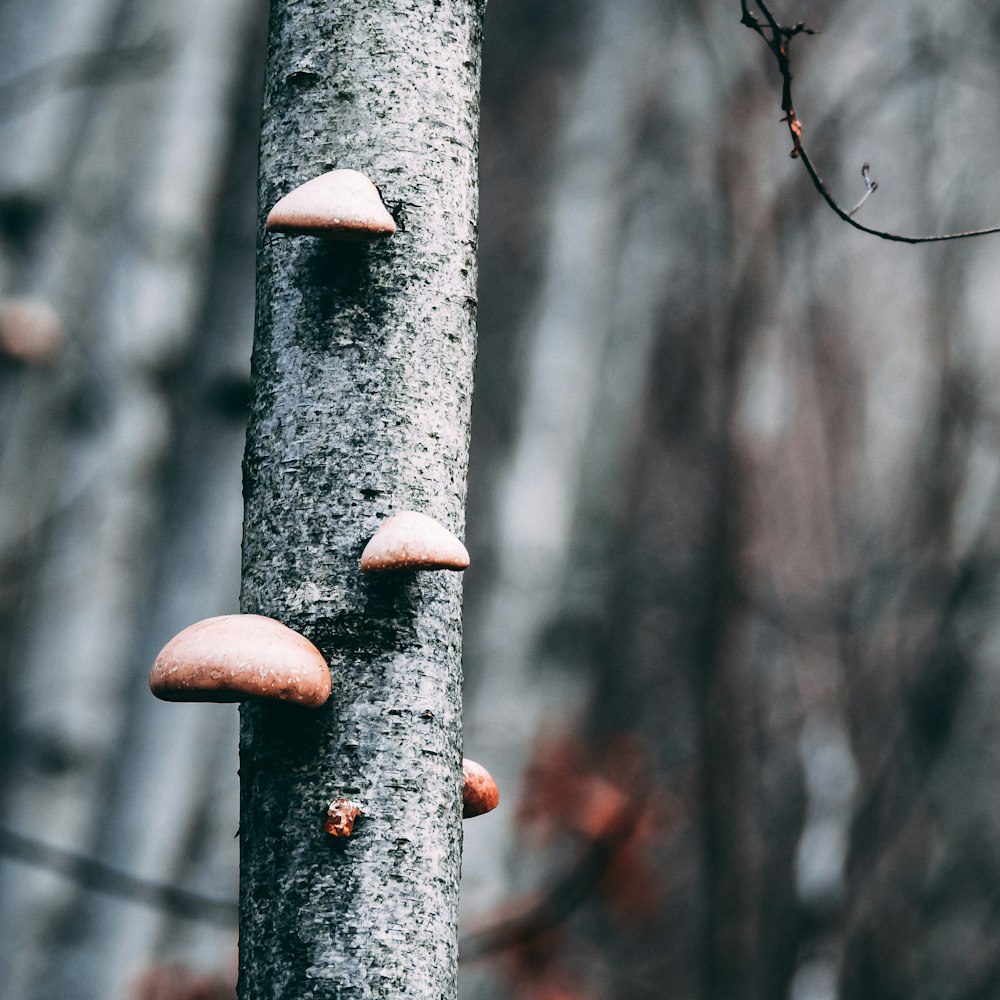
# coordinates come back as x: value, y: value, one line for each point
x: 778, y: 38
x: 85, y: 69
x: 99, y: 877
x: 870, y: 188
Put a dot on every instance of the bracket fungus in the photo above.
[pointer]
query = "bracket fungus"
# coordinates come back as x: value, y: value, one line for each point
x: 339, y: 205
x: 235, y: 657
x: 479, y: 791
x: 413, y: 541
x: 340, y: 817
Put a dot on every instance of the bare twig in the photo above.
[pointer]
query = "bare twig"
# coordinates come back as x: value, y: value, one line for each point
x: 870, y: 187
x: 778, y: 37
x: 85, y: 69
x: 89, y: 873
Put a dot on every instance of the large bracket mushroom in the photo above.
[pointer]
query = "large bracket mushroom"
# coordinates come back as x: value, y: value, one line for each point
x: 236, y: 657
x: 339, y: 205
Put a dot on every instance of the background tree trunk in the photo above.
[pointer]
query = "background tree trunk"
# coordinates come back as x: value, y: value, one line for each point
x: 119, y: 478
x: 361, y: 395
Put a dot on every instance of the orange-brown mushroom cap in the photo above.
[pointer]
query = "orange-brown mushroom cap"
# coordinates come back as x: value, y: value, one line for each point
x: 235, y: 657
x: 413, y: 541
x: 479, y: 791
x: 341, y: 815
x: 339, y: 205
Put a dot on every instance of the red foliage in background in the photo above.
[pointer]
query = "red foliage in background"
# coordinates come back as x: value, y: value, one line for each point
x: 600, y: 798
x: 601, y: 807
x: 175, y: 982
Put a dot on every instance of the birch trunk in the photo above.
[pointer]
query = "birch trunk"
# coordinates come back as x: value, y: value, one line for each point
x: 362, y: 378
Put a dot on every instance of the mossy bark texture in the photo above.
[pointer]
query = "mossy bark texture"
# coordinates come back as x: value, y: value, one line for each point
x: 362, y: 381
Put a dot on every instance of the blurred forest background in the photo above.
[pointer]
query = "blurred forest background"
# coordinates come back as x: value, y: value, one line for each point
x: 730, y: 640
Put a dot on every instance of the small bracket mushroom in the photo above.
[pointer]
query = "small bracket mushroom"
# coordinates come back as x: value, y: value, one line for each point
x: 479, y: 791
x: 235, y: 657
x: 339, y: 205
x: 340, y: 817
x: 413, y: 541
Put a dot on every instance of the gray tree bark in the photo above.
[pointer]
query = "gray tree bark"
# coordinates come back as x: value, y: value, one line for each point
x: 362, y: 378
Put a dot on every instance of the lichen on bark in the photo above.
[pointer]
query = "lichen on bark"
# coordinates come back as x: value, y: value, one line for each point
x: 362, y: 379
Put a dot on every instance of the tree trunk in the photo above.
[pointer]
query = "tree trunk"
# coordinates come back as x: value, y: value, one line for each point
x: 362, y: 380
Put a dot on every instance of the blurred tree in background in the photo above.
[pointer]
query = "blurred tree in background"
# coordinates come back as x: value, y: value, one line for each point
x: 729, y: 644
